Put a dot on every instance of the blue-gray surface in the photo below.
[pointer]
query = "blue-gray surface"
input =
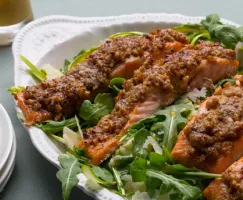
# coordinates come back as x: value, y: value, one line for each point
x: 34, y: 178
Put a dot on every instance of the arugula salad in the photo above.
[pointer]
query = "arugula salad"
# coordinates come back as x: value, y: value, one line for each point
x: 142, y: 167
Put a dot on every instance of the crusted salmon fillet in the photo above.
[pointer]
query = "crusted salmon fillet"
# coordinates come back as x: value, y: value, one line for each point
x: 213, y: 139
x: 62, y: 97
x: 157, y: 87
x: 229, y: 186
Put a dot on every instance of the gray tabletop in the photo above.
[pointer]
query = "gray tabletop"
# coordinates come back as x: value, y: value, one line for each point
x: 33, y: 176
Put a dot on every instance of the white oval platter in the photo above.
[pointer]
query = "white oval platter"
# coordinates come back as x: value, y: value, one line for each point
x: 52, y: 39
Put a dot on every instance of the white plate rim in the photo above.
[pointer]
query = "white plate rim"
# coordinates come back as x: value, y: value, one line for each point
x: 10, y: 131
x: 93, y: 21
x: 8, y: 168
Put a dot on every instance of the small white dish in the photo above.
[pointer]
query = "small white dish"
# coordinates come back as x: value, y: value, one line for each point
x: 9, y: 167
x: 52, y: 39
x: 6, y: 136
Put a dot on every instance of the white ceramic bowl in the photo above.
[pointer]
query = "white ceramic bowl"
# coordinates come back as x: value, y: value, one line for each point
x: 52, y: 39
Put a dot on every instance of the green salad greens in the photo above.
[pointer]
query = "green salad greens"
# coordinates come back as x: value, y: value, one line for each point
x: 80, y: 57
x: 142, y: 165
x: 68, y: 174
x: 64, y: 69
x: 116, y: 84
x: 50, y: 126
x: 213, y: 29
x: 16, y: 90
x: 37, y: 74
x: 103, y: 105
x: 194, y: 32
x: 145, y: 157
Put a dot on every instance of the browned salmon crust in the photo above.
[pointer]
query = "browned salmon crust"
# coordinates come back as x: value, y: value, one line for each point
x: 212, y: 138
x: 213, y: 131
x: 63, y: 96
x: 170, y: 80
x: 230, y: 186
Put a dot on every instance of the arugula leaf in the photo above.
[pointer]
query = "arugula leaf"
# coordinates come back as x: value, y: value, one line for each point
x: 138, y: 170
x: 176, y: 186
x: 152, y: 185
x: 210, y: 21
x: 64, y: 69
x: 38, y: 75
x: 183, y: 172
x: 174, y: 122
x: 51, y: 126
x: 90, y: 175
x: 68, y: 174
x: 116, y: 84
x: 138, y: 143
x: 16, y: 90
x: 103, y: 174
x: 228, y: 35
x: 124, y: 34
x: 103, y: 105
x: 81, y: 57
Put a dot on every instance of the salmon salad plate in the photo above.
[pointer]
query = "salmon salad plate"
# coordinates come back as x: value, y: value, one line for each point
x: 146, y: 115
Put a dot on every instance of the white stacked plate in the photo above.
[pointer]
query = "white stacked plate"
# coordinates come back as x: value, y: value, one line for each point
x: 7, y: 148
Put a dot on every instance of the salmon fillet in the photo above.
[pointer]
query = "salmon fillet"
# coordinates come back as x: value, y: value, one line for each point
x: 157, y: 87
x: 213, y: 139
x: 119, y: 57
x: 229, y: 186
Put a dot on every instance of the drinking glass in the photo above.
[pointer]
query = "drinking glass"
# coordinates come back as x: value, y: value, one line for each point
x: 14, y: 14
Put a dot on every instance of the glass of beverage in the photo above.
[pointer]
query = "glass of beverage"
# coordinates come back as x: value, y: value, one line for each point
x: 14, y: 14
